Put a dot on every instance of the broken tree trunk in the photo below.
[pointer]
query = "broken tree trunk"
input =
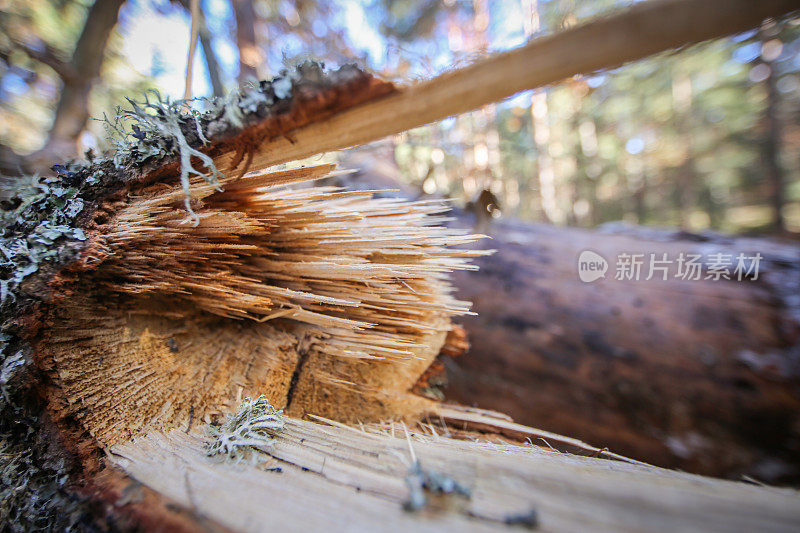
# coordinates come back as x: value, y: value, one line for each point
x: 147, y: 292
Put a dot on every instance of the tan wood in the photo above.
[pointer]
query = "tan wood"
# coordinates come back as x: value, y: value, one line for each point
x: 335, y: 478
x: 341, y: 299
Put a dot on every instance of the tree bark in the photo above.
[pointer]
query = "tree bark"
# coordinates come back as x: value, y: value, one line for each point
x: 697, y: 375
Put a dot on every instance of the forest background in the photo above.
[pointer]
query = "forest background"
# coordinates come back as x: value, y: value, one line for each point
x: 703, y: 138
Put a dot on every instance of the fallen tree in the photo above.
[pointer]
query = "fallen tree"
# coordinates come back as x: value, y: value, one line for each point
x: 150, y: 290
x: 695, y: 374
x: 699, y: 375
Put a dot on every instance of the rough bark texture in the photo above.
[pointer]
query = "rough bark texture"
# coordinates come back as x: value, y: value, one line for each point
x: 212, y: 63
x: 698, y: 375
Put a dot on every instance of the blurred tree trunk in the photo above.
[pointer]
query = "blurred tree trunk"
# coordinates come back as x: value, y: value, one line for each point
x: 486, y: 139
x: 212, y: 63
x: 587, y: 165
x: 249, y: 53
x: 687, y: 176
x: 571, y: 164
x: 771, y: 144
x: 640, y: 199
x: 541, y: 129
x: 79, y: 76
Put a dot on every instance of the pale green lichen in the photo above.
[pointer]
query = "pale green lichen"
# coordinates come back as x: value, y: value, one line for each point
x: 158, y: 127
x: 153, y: 127
x: 47, y: 213
x: 54, y: 508
x: 254, y: 425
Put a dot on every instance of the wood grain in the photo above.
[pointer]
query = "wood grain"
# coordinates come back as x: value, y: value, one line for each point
x: 342, y: 479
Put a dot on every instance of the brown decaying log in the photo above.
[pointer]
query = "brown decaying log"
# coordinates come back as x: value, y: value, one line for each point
x: 697, y: 375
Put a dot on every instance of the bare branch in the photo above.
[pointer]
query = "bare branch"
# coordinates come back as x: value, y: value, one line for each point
x: 49, y: 57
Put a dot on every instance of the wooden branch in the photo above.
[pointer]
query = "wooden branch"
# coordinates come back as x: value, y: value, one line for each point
x: 637, y: 32
x: 194, y: 13
x: 212, y: 63
x: 206, y: 41
x: 48, y: 56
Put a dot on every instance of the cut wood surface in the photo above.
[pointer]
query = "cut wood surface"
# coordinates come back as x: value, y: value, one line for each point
x: 337, y: 478
x: 639, y: 31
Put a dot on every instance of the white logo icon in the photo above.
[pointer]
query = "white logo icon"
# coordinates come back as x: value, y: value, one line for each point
x: 591, y: 266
